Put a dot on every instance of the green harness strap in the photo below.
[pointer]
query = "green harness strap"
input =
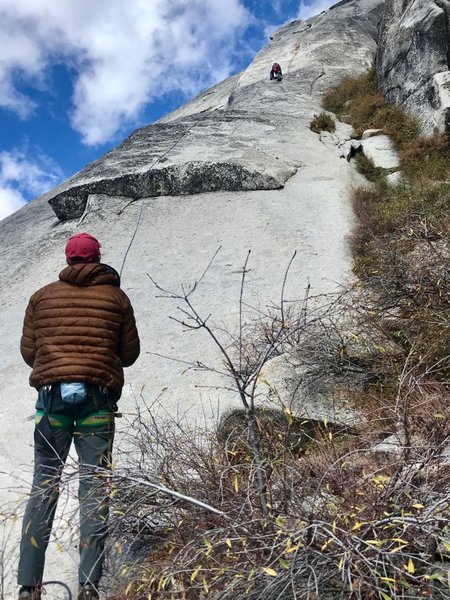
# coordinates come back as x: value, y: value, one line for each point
x: 98, y: 418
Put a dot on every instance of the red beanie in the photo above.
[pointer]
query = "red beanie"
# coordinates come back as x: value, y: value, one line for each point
x: 82, y: 247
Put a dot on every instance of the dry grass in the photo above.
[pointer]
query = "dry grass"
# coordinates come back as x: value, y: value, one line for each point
x: 401, y: 242
x: 322, y: 122
x: 359, y: 98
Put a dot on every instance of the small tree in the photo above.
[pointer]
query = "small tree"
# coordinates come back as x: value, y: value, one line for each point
x: 244, y: 365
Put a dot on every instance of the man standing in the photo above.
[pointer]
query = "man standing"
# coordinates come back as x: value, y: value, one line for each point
x: 78, y: 334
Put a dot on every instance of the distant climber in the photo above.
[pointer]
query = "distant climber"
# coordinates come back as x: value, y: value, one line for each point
x: 78, y: 334
x: 275, y: 72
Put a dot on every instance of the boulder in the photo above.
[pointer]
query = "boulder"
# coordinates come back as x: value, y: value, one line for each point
x: 396, y: 178
x: 371, y: 133
x: 381, y: 151
x: 285, y: 382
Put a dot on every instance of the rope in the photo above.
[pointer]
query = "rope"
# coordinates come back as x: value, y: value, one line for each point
x: 62, y: 584
x: 296, y: 51
x: 155, y: 162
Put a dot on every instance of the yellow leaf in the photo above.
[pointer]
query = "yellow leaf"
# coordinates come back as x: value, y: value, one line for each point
x: 162, y: 583
x: 374, y: 542
x: 385, y: 596
x: 380, y: 480
x: 205, y: 585
x: 128, y: 588
x: 437, y: 576
x: 288, y: 413
x: 228, y: 542
x: 388, y: 579
x: 394, y: 550
x: 270, y: 571
x: 34, y: 542
x: 410, y: 566
x: 399, y: 540
x: 292, y: 549
x: 195, y: 573
x: 280, y: 521
x: 236, y: 484
x: 327, y: 543
x: 418, y: 505
x: 283, y: 563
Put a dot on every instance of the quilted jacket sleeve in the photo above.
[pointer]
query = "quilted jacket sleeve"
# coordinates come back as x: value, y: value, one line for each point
x: 129, y: 338
x: 28, y: 340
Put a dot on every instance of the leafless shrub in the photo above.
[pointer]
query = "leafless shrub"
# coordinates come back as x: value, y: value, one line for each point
x: 341, y: 517
x: 345, y: 520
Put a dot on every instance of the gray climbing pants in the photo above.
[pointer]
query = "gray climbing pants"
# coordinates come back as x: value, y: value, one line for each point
x: 91, y: 426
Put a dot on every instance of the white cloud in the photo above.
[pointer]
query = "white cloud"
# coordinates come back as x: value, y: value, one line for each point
x: 10, y: 201
x: 124, y: 53
x: 25, y: 174
x: 310, y: 8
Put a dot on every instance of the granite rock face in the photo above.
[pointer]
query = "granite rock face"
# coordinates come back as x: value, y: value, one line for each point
x: 242, y: 134
x: 413, y: 59
x: 236, y: 168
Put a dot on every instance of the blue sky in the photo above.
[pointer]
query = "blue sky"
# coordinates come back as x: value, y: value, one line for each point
x: 78, y: 76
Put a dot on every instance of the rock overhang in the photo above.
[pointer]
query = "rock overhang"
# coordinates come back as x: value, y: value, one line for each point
x: 188, y: 178
x: 219, y: 151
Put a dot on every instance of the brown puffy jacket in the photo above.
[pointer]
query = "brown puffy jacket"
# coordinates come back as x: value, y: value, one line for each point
x: 80, y: 328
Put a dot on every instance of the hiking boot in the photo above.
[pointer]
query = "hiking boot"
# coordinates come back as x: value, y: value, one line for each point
x: 31, y: 594
x: 88, y: 592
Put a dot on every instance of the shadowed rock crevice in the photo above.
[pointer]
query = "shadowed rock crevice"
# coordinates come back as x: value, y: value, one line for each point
x: 174, y: 180
x: 445, y: 6
x: 413, y: 59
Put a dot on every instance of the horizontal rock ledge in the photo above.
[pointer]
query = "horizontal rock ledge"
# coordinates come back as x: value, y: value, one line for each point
x: 174, y: 180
